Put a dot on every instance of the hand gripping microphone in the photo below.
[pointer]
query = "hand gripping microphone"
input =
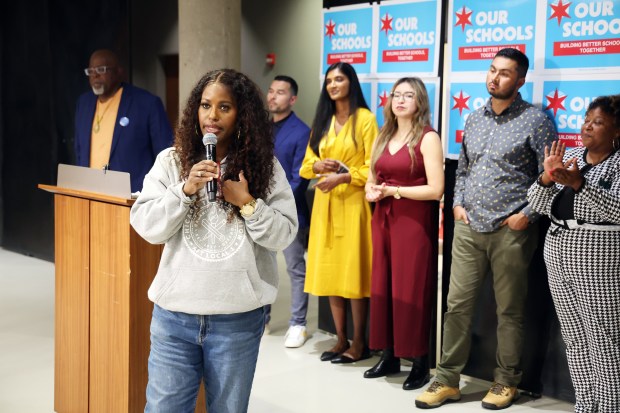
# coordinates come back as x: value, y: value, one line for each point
x: 209, y: 141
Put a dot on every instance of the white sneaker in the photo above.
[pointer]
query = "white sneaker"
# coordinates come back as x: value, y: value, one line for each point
x: 295, y: 337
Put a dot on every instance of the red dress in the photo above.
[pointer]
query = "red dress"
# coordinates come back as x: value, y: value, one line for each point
x: 404, y: 260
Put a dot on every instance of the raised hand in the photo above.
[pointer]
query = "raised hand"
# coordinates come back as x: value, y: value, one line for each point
x: 554, y: 156
x: 568, y: 175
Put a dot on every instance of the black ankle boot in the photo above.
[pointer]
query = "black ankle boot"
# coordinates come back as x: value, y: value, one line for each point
x: 388, y: 364
x: 420, y: 374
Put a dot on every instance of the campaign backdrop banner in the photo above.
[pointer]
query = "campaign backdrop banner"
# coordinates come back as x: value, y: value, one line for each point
x: 566, y: 103
x: 367, y: 92
x: 480, y: 28
x: 408, y: 37
x: 582, y: 34
x: 383, y: 93
x: 465, y: 98
x: 347, y: 37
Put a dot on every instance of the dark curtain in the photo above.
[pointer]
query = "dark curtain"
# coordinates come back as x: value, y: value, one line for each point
x: 44, y: 47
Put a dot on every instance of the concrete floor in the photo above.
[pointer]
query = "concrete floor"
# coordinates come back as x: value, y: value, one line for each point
x: 286, y: 381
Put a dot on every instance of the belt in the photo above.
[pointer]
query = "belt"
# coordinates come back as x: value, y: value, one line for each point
x: 577, y: 223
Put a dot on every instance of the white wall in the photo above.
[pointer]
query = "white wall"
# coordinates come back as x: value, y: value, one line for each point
x: 291, y: 30
x: 155, y: 32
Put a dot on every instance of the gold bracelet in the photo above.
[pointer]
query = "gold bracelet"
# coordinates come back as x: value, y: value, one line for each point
x: 397, y: 193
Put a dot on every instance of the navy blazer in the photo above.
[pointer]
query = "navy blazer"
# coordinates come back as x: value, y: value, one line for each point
x: 141, y: 131
x: 291, y: 142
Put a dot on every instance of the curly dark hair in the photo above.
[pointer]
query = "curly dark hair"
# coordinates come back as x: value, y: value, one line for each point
x: 251, y: 147
x: 609, y: 105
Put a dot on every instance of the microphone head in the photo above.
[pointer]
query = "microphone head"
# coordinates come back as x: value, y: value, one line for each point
x: 209, y: 139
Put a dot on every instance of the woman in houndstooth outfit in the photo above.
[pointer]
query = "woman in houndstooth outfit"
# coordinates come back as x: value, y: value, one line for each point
x: 580, y: 191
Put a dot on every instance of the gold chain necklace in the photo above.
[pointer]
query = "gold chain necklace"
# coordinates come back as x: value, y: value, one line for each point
x: 98, y: 119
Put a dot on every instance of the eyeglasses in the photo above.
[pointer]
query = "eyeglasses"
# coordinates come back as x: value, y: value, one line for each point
x: 407, y: 96
x: 100, y: 70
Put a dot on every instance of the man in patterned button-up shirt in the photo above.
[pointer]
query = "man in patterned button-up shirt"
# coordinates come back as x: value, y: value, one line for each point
x: 501, y: 156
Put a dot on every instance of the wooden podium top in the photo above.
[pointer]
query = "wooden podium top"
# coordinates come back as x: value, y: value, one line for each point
x: 95, y: 196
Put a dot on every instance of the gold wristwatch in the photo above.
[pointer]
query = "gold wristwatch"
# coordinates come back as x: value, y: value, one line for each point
x: 248, y: 209
x: 397, y: 193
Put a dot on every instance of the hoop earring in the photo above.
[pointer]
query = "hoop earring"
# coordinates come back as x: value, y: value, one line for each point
x: 616, y: 144
x: 238, y: 134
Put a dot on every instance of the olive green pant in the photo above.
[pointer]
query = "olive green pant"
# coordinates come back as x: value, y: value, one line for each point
x: 507, y: 254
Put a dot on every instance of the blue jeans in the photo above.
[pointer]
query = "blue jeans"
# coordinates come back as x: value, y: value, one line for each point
x: 221, y: 349
x: 296, y: 268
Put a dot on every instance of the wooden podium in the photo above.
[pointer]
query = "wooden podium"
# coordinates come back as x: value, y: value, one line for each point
x: 103, y: 314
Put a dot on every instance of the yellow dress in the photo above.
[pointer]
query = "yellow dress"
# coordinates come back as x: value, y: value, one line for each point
x: 340, y: 246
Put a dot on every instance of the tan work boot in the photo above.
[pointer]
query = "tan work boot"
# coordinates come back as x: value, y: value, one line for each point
x: 500, y: 396
x: 436, y: 395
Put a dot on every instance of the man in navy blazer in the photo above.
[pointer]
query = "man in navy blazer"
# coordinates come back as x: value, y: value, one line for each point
x: 291, y: 139
x: 118, y: 126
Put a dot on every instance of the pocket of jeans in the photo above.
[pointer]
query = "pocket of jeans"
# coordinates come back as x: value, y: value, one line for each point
x: 515, y: 237
x: 209, y: 292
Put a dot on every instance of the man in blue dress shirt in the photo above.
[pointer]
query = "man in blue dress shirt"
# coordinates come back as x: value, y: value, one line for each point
x: 291, y: 139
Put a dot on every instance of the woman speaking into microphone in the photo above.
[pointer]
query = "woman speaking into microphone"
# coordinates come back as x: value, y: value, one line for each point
x: 218, y: 267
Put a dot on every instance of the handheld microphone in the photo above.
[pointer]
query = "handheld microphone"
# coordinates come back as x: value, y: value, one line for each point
x: 209, y: 141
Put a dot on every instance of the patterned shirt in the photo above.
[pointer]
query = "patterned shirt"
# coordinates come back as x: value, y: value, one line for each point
x: 598, y: 201
x: 501, y: 156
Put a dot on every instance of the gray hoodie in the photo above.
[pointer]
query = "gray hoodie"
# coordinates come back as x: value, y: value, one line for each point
x: 209, y: 265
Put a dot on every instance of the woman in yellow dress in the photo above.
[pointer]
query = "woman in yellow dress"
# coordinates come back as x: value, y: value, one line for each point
x: 340, y: 247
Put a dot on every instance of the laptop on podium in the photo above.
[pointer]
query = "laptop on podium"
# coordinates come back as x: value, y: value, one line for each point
x: 102, y: 181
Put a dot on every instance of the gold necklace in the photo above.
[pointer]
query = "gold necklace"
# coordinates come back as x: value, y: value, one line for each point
x: 98, y: 119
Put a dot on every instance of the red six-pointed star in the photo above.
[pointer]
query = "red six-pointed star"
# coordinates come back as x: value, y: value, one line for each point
x: 330, y: 29
x: 556, y: 102
x: 383, y: 99
x: 460, y: 102
x: 464, y: 18
x: 559, y: 10
x: 386, y: 23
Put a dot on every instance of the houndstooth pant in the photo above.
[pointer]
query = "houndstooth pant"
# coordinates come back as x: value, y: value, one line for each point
x: 584, y: 278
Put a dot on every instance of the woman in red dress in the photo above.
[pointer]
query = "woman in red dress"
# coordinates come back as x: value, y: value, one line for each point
x: 406, y: 182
